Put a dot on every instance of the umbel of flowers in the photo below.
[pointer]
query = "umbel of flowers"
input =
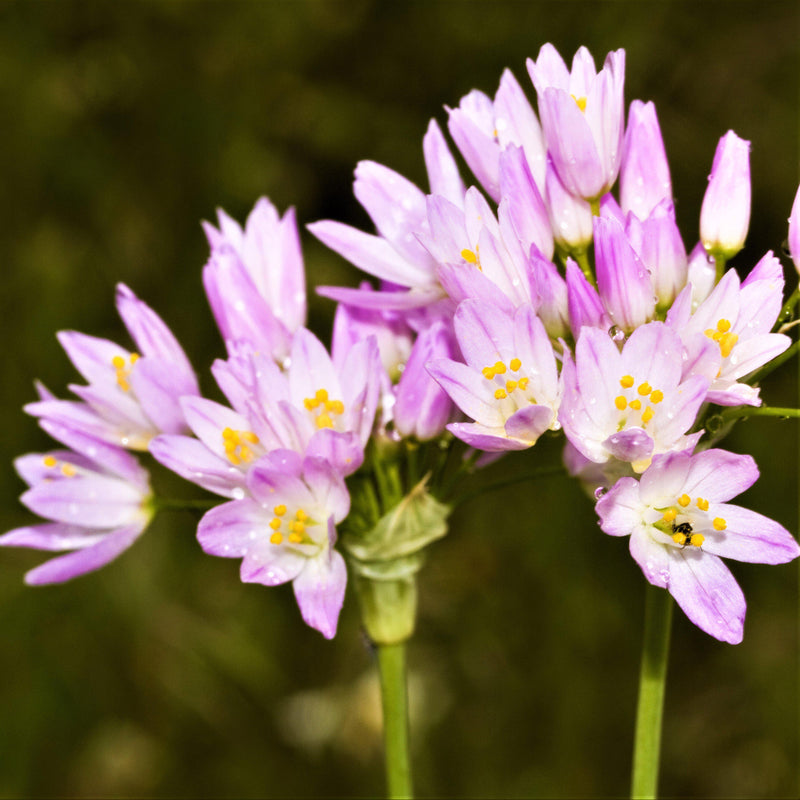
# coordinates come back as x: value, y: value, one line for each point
x: 553, y: 296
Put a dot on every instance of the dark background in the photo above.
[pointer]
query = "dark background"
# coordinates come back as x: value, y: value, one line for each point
x: 125, y: 124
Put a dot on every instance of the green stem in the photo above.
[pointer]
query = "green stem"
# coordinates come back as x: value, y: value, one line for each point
x: 788, y: 308
x: 740, y: 412
x: 758, y: 376
x: 652, y: 680
x: 394, y: 698
x: 582, y: 257
x: 720, y: 261
x: 542, y: 472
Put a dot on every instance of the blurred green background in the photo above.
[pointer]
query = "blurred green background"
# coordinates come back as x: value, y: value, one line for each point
x: 124, y: 125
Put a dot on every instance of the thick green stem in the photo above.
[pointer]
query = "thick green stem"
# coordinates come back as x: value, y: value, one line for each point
x: 652, y: 681
x: 394, y: 698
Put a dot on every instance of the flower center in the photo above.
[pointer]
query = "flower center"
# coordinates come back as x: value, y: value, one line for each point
x: 322, y: 409
x: 64, y: 467
x: 680, y: 520
x: 472, y: 257
x: 723, y: 336
x: 580, y: 102
x: 642, y: 391
x: 123, y: 370
x: 511, y: 392
x: 236, y: 445
x: 290, y: 528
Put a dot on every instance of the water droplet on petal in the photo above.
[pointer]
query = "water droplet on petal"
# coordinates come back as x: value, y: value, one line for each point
x: 238, y: 493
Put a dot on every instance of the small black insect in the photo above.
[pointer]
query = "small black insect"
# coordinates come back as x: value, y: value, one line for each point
x: 685, y: 530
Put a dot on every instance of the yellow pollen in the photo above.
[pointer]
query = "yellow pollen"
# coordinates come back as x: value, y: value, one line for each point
x: 324, y: 421
x: 228, y: 434
x: 523, y: 383
x: 515, y: 364
x: 702, y: 504
x: 684, y: 500
x: 647, y: 415
x: 621, y: 403
x: 275, y: 524
x: 697, y: 539
x: 118, y: 362
x: 656, y: 396
x: 134, y: 358
x: 469, y: 256
x: 670, y: 514
x: 295, y: 538
x: 719, y: 524
x: 488, y: 373
x: 726, y: 343
x: 321, y: 395
x: 510, y: 386
x: 580, y: 102
x: 249, y: 436
x: 636, y: 404
x: 68, y: 470
x: 678, y: 538
x: 626, y: 381
x: 235, y: 448
x: 335, y: 406
x: 245, y: 453
x: 299, y: 528
x: 500, y: 394
x: 645, y: 389
x: 233, y: 458
x: 301, y: 515
x: 723, y: 326
x: 50, y: 461
x: 276, y: 538
x: 279, y: 510
x: 499, y: 368
x: 310, y: 403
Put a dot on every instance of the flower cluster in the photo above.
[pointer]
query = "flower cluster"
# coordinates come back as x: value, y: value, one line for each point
x: 532, y: 303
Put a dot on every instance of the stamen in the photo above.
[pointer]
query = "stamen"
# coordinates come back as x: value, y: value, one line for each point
x: 500, y: 394
x: 647, y: 415
x: 123, y: 371
x: 276, y: 538
x: 488, y: 373
x: 697, y: 539
x: 295, y: 538
x: 510, y: 386
x: 515, y: 364
x: 723, y: 326
x: 636, y: 404
x: 469, y: 256
x: 523, y: 383
x: 324, y: 421
x: 499, y: 368
x: 235, y: 448
x: 68, y: 471
x: 275, y: 524
x: 702, y: 504
x: 644, y: 388
x: 670, y: 514
x: 301, y: 515
x: 656, y: 396
x: 626, y: 381
x: 279, y: 511
x: 50, y: 461
x: 580, y: 102
x: 621, y: 403
x: 719, y: 524
x: 684, y: 500
x: 726, y: 343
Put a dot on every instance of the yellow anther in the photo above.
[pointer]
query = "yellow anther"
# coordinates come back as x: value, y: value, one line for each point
x: 500, y: 394
x: 50, y: 461
x: 702, y: 504
x: 279, y: 511
x: 670, y: 514
x: 636, y: 404
x: 301, y: 515
x: 515, y: 364
x: 276, y: 538
x: 67, y: 470
x: 299, y: 528
x: 321, y: 395
x: 678, y: 538
x: 621, y: 403
x: 469, y: 256
x: 719, y: 524
x: 335, y: 406
x: 644, y: 389
x: 580, y: 102
x: 310, y: 403
x: 684, y: 500
x: 626, y: 381
x: 324, y: 421
x: 245, y: 453
x: 499, y: 368
x: 656, y: 396
x: 697, y: 539
x: 228, y: 434
x: 523, y: 383
x: 275, y: 524
x: 233, y: 458
x: 249, y: 436
x: 726, y: 343
x: 647, y: 415
x: 118, y: 362
x: 488, y: 373
x: 510, y: 386
x: 134, y: 358
x: 723, y: 326
x: 295, y: 538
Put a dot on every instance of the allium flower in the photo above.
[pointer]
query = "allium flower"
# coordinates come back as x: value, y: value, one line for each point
x: 131, y: 397
x: 285, y: 530
x: 729, y: 334
x: 633, y: 404
x: 255, y: 280
x: 582, y: 117
x: 644, y: 180
x: 96, y: 496
x: 794, y: 231
x: 725, y: 214
x: 680, y: 523
x: 509, y: 383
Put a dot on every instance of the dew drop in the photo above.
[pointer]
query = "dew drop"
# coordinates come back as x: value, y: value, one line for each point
x: 238, y: 493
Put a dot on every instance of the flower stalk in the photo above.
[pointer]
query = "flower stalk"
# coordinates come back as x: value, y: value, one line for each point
x: 394, y: 699
x: 652, y: 682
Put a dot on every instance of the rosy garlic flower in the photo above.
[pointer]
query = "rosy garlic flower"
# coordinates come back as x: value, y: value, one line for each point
x: 680, y: 524
x: 285, y: 530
